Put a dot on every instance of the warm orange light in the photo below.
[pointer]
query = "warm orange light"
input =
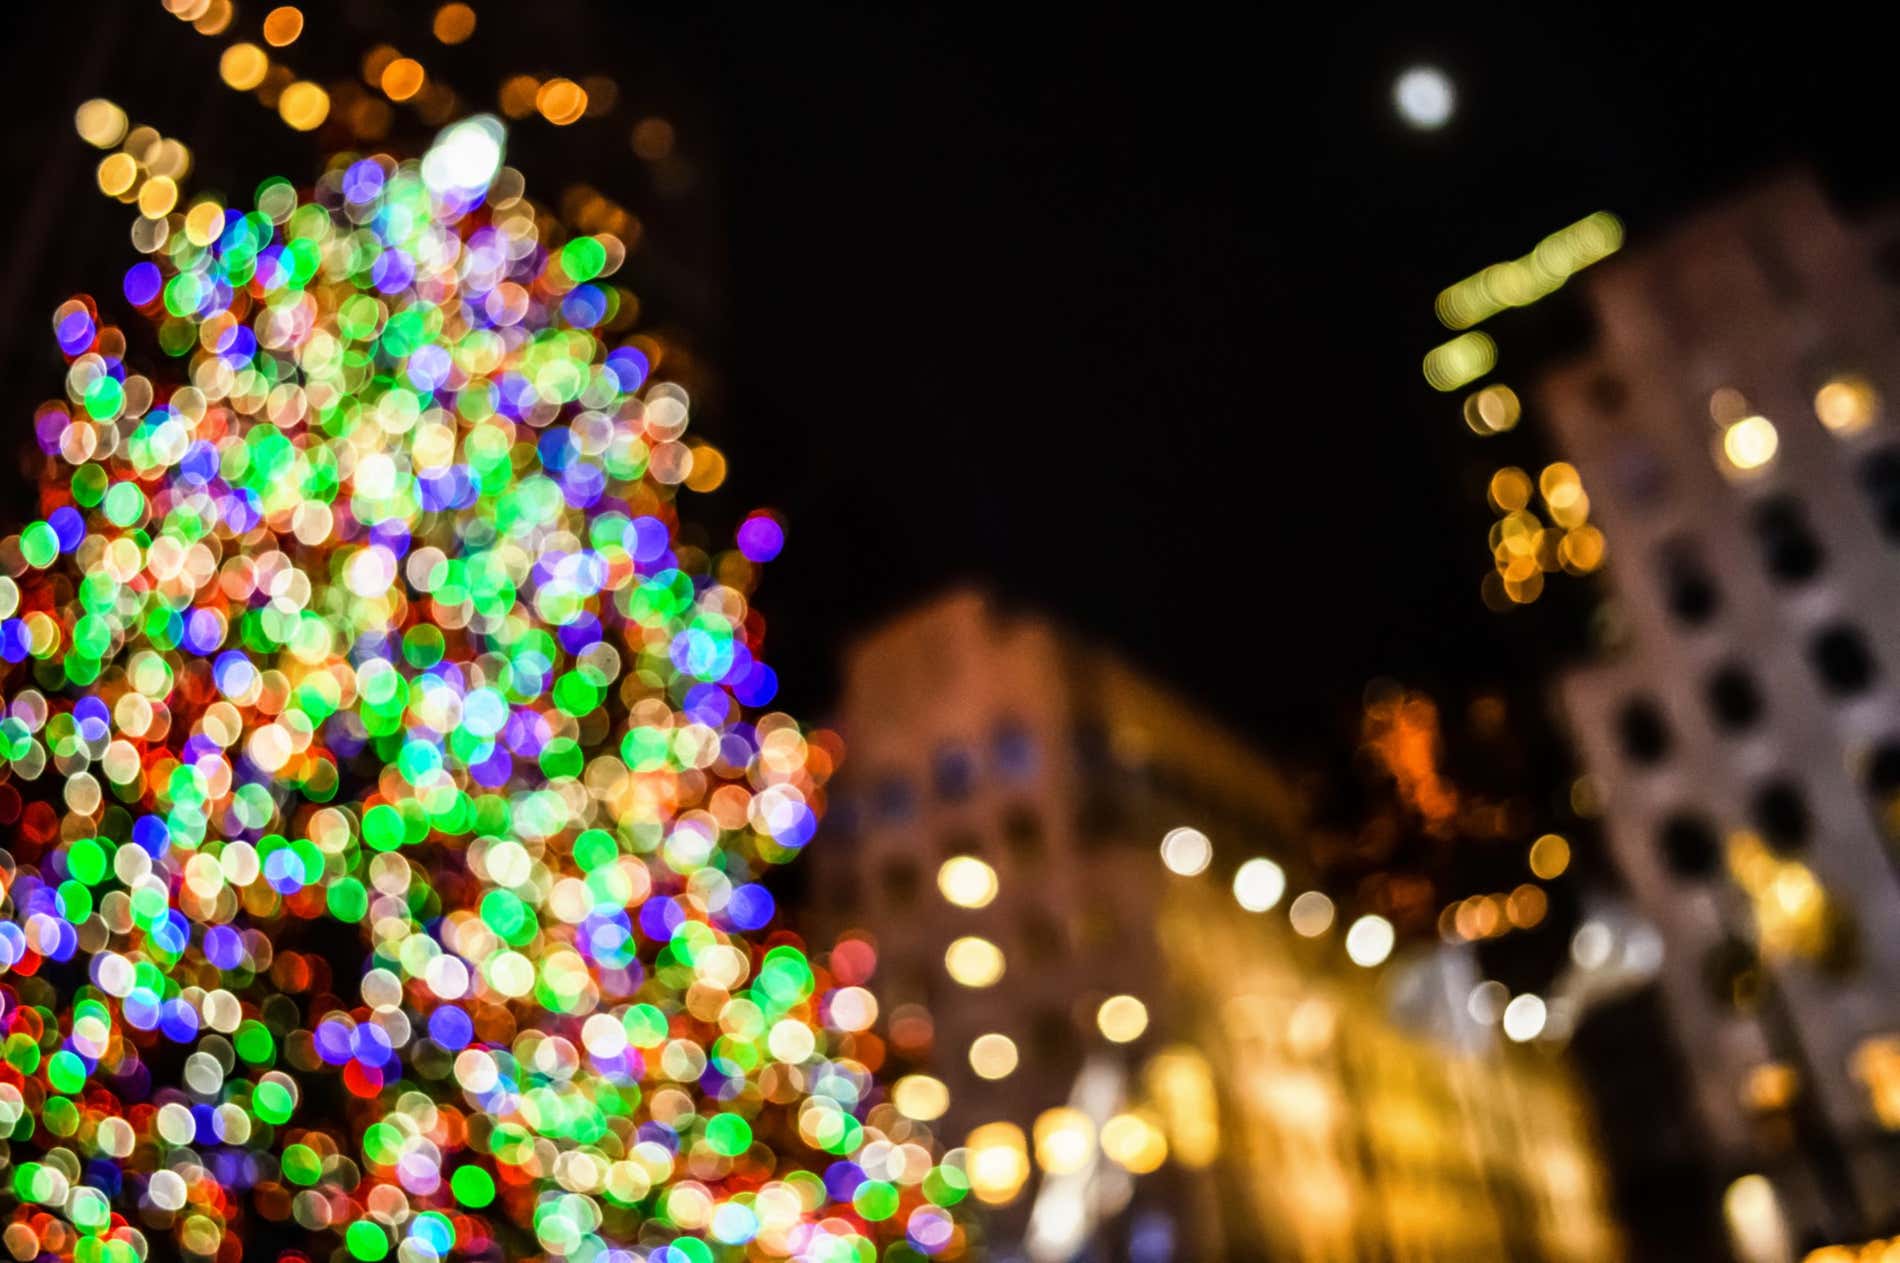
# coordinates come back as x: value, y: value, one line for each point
x: 403, y: 78
x: 454, y: 23
x: 283, y: 25
x: 561, y: 101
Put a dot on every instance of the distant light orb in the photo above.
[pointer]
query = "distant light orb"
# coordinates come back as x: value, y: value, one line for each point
x: 1524, y: 1018
x: 465, y: 157
x: 1311, y: 914
x: 1370, y: 940
x: 1186, y: 851
x: 1258, y: 885
x: 1424, y: 97
x: 1122, y: 1018
x: 967, y: 881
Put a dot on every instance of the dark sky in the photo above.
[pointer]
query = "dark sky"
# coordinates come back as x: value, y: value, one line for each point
x: 1120, y: 313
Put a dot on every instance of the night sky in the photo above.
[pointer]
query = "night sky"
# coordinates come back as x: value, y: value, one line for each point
x: 1120, y: 316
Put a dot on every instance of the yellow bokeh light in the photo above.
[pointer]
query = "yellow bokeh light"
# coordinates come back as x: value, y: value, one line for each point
x: 454, y: 23
x: 283, y: 25
x: 1550, y: 856
x: 243, y: 66
x: 1065, y: 1140
x: 304, y: 105
x: 1582, y: 550
x: 157, y: 196
x: 1493, y: 410
x: 1135, y: 1142
x: 998, y: 1162
x: 204, y: 223
x: 920, y: 1097
x: 1465, y: 358
x: 709, y: 468
x: 967, y: 881
x: 1750, y: 443
x: 117, y: 173
x: 1122, y: 1019
x: 1847, y: 404
x: 561, y: 101
x: 993, y: 1056
x: 402, y: 78
x: 1509, y: 490
x: 974, y: 961
x: 216, y: 19
x: 100, y: 123
x: 1181, y: 1085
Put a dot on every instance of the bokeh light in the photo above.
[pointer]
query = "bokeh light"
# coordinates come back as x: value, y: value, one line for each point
x: 1424, y: 97
x: 1122, y: 1019
x: 1369, y: 940
x: 1311, y: 915
x: 993, y: 1056
x: 1186, y: 851
x: 967, y: 881
x: 1259, y: 884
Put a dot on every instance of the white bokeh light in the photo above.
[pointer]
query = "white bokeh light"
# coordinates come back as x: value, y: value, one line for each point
x: 1370, y: 940
x: 1424, y: 97
x: 1186, y: 851
x: 1259, y: 884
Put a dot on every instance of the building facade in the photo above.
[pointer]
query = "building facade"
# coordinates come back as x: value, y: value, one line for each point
x: 1743, y: 729
x: 1239, y: 1088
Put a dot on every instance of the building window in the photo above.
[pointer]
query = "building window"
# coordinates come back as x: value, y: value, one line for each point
x: 1022, y: 832
x: 1643, y: 732
x: 1842, y: 660
x: 1781, y: 813
x: 1688, y: 589
x: 900, y: 883
x: 1014, y: 750
x: 1788, y: 546
x: 1880, y: 479
x: 1689, y: 846
x: 953, y: 772
x: 893, y: 800
x: 1733, y: 698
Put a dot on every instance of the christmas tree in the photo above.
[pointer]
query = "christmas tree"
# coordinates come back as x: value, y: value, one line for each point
x: 390, y: 784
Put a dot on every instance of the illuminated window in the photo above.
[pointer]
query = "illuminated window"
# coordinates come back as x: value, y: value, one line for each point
x: 1842, y: 660
x: 954, y: 772
x: 1781, y: 814
x: 1014, y: 750
x: 1789, y: 548
x: 1880, y: 479
x: 1733, y: 698
x: 1689, y: 846
x: 1687, y: 587
x: 1643, y: 732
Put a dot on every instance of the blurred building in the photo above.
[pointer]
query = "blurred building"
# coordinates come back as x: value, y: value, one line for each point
x: 1146, y: 1068
x: 1731, y: 430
